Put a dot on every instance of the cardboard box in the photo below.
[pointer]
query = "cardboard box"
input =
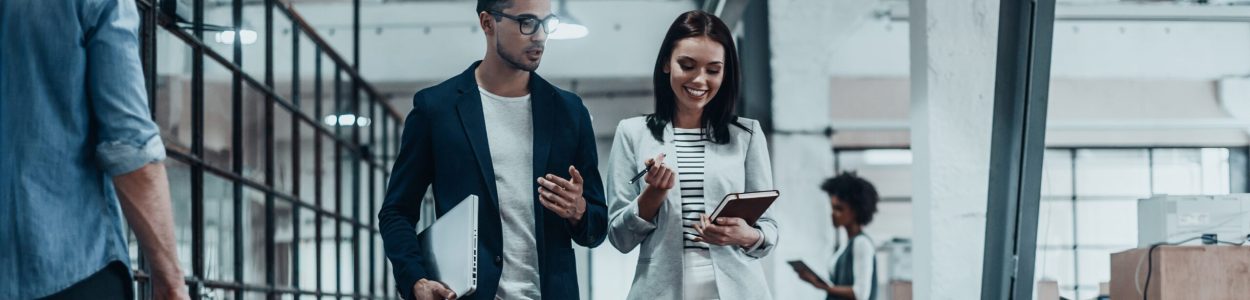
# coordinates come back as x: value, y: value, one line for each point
x: 1183, y: 272
x: 1047, y: 290
x: 900, y: 290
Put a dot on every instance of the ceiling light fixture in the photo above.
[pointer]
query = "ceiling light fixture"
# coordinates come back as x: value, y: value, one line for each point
x: 246, y: 36
x: 347, y: 120
x: 570, y: 28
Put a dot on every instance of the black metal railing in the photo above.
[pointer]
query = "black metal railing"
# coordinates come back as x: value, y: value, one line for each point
x: 289, y: 189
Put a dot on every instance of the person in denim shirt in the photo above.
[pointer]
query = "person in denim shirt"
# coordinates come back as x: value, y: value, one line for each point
x: 75, y: 138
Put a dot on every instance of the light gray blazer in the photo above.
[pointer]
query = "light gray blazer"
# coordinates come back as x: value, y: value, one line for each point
x: 742, y: 165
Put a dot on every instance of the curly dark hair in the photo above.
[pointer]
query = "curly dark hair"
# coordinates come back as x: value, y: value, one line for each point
x: 856, y: 192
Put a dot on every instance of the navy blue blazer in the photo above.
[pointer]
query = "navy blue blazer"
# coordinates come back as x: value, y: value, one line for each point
x: 444, y: 144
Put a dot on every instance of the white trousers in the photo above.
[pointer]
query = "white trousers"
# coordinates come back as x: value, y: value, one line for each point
x: 698, y: 279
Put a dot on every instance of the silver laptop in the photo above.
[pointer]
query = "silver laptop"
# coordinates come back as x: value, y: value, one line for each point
x: 449, y: 247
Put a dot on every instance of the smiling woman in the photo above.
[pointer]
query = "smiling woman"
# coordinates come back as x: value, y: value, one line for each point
x: 696, y: 78
x: 689, y: 255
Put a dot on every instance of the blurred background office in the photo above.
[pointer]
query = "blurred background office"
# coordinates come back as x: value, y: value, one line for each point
x: 282, y: 119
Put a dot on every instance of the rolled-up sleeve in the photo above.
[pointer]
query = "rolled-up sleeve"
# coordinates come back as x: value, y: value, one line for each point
x: 759, y: 171
x: 128, y: 139
x: 625, y: 228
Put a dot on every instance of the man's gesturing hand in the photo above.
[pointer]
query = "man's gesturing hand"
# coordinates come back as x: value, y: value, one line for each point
x: 563, y: 197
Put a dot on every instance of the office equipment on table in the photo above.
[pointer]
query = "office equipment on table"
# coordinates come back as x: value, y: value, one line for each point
x: 1169, y: 218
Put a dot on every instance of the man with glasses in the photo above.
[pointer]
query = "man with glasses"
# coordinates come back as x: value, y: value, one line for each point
x: 525, y: 147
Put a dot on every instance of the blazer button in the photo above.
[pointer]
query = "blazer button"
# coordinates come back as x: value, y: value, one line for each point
x: 498, y: 260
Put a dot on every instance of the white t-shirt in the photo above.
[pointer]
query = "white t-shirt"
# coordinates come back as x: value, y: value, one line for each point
x: 510, y: 137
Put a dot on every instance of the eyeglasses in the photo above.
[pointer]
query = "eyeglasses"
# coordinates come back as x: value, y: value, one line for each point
x: 529, y: 24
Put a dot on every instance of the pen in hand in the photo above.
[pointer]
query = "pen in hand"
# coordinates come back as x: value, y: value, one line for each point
x: 645, y: 169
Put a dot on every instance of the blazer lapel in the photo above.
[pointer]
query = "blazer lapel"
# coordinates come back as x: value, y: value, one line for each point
x: 542, y: 106
x: 670, y: 159
x: 713, y: 191
x: 470, y: 109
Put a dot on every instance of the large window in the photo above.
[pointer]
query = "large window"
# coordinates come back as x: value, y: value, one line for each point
x: 1089, y: 204
x: 279, y: 153
x: 1089, y: 200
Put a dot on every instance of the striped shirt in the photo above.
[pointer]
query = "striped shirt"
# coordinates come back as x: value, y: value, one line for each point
x: 690, y: 145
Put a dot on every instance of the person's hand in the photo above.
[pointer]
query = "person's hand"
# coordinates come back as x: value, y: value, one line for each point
x: 660, y: 178
x: 813, y: 280
x: 171, y: 291
x: 431, y: 290
x: 563, y: 197
x: 726, y: 231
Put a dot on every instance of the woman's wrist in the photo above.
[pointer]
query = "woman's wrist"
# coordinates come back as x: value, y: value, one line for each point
x: 652, y: 194
x: 749, y: 242
x: 649, y: 203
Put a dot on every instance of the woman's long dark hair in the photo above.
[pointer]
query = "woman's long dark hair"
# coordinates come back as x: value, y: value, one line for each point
x: 718, y: 114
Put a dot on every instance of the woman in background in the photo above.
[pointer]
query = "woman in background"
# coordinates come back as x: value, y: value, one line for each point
x: 854, y: 272
x: 683, y: 254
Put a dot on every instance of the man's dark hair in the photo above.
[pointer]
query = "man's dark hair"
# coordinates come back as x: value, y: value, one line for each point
x: 492, y: 5
x: 856, y: 193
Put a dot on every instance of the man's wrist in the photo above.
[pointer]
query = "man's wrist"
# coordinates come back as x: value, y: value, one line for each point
x: 576, y: 218
x: 170, y: 281
x: 171, y: 288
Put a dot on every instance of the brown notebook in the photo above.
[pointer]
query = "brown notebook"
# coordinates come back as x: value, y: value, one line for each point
x: 748, y: 206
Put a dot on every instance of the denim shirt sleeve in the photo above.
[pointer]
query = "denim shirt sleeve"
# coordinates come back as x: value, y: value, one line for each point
x: 128, y: 139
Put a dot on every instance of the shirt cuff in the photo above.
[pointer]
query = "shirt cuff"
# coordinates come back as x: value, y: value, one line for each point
x: 634, y: 222
x: 121, y: 157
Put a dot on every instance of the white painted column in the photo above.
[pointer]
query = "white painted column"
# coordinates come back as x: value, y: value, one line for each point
x: 953, y: 46
x: 803, y: 34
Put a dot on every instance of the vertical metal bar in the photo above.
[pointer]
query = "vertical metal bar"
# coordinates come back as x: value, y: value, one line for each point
x: 1035, y: 145
x: 372, y: 197
x: 197, y: 149
x: 147, y: 51
x: 386, y: 154
x: 359, y: 155
x: 338, y: 182
x: 295, y: 157
x: 1076, y: 260
x: 356, y: 36
x: 1150, y: 158
x: 386, y: 142
x: 355, y: 161
x: 1018, y: 145
x: 590, y: 272
x: 317, y: 159
x: 270, y: 226
x: 396, y: 135
x: 237, y: 139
